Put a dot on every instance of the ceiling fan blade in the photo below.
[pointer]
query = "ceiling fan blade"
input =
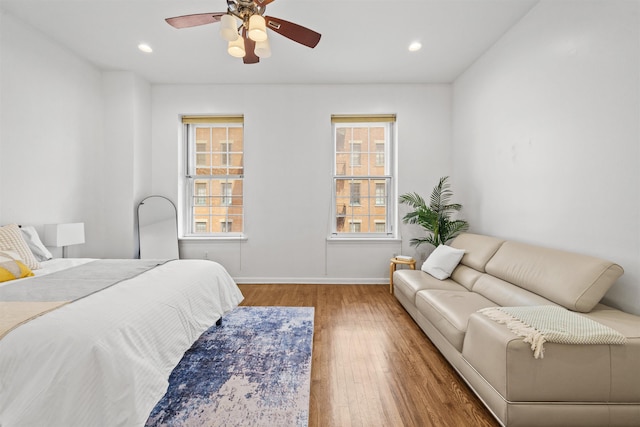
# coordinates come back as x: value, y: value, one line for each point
x: 250, y: 56
x: 292, y: 31
x: 187, y: 21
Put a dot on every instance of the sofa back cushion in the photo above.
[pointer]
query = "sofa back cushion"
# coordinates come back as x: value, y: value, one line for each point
x: 506, y: 294
x: 577, y: 282
x: 465, y: 276
x: 478, y: 249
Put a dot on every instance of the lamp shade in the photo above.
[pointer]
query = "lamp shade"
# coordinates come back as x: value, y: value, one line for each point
x: 236, y: 48
x: 58, y: 235
x: 229, y: 28
x: 263, y: 49
x: 257, y: 28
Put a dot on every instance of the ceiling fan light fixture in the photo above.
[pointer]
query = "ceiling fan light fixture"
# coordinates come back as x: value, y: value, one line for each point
x: 263, y: 49
x: 229, y: 28
x: 257, y: 28
x: 236, y: 48
x: 244, y: 27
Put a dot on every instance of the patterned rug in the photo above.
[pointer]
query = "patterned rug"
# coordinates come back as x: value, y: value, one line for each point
x: 253, y: 370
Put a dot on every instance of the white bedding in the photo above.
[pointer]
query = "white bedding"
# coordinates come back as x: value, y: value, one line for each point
x: 105, y: 360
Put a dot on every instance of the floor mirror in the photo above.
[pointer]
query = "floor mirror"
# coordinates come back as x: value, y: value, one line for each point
x: 158, y: 228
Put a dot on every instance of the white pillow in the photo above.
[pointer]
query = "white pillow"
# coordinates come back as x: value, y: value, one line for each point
x: 442, y: 261
x: 35, y: 244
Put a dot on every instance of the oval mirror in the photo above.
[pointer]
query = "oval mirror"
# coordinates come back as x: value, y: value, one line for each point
x: 158, y: 228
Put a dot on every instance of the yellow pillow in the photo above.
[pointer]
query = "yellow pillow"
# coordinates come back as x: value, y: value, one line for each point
x: 12, y: 267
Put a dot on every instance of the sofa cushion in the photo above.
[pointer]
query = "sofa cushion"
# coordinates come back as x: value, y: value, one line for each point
x: 478, y: 249
x: 466, y: 276
x: 409, y: 282
x: 506, y: 294
x: 577, y: 282
x: 449, y: 311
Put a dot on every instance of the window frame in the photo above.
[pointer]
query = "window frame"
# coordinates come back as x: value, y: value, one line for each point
x: 388, y: 178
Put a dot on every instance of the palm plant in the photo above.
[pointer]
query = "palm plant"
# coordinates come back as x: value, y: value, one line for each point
x: 436, y: 217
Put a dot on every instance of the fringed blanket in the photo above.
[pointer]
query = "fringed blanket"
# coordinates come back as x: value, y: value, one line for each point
x: 546, y: 323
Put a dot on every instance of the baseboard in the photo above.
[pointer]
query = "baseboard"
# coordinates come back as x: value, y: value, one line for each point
x: 312, y: 280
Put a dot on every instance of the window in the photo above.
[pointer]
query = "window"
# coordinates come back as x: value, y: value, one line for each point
x: 379, y: 153
x: 363, y: 200
x: 355, y: 226
x: 227, y: 194
x: 225, y: 147
x: 354, y: 199
x: 214, y: 176
x: 380, y: 194
x: 201, y: 192
x: 355, y: 153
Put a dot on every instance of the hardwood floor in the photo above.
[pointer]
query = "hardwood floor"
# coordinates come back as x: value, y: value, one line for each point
x: 372, y: 365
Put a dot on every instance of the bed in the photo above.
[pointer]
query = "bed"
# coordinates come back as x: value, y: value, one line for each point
x: 105, y: 359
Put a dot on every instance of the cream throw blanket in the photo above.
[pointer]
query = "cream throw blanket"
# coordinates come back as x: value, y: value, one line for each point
x: 546, y: 323
x: 24, y: 300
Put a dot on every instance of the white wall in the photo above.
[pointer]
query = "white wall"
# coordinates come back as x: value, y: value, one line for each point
x: 75, y: 142
x: 288, y: 158
x: 546, y: 135
x: 50, y: 133
x: 126, y: 158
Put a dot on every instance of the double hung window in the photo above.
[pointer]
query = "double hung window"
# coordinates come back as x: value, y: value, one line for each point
x: 363, y: 176
x: 214, y: 176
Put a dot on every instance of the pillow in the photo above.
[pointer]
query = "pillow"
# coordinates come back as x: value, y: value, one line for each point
x: 11, y: 239
x: 11, y: 267
x: 442, y: 261
x: 40, y: 252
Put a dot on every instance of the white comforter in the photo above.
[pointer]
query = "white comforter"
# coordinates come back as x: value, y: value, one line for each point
x: 105, y: 360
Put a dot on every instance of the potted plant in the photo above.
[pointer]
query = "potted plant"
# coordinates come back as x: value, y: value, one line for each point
x: 435, y: 218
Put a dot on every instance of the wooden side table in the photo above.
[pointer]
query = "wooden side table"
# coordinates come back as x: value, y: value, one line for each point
x: 392, y: 267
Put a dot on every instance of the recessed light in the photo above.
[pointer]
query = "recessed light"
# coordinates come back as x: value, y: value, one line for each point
x: 415, y: 46
x: 145, y: 48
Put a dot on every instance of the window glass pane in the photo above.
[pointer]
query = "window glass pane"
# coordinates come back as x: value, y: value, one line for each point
x: 235, y: 136
x: 203, y: 139
x: 235, y: 161
x: 362, y: 179
x: 216, y: 196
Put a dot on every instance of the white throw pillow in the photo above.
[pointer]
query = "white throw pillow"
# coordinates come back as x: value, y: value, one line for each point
x: 35, y: 244
x: 442, y: 261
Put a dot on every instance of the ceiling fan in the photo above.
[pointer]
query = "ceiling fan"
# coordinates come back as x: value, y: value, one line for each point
x: 244, y: 26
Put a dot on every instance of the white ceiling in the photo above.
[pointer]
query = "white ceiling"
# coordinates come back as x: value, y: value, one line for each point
x: 363, y: 41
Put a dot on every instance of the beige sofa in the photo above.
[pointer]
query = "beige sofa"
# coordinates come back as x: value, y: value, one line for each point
x: 572, y: 385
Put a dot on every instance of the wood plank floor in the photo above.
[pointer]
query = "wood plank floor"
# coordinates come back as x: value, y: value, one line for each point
x: 372, y: 365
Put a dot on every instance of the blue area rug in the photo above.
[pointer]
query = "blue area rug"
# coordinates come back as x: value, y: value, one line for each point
x: 253, y: 370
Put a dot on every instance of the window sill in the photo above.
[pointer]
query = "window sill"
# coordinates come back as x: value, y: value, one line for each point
x: 334, y: 239
x: 213, y: 238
